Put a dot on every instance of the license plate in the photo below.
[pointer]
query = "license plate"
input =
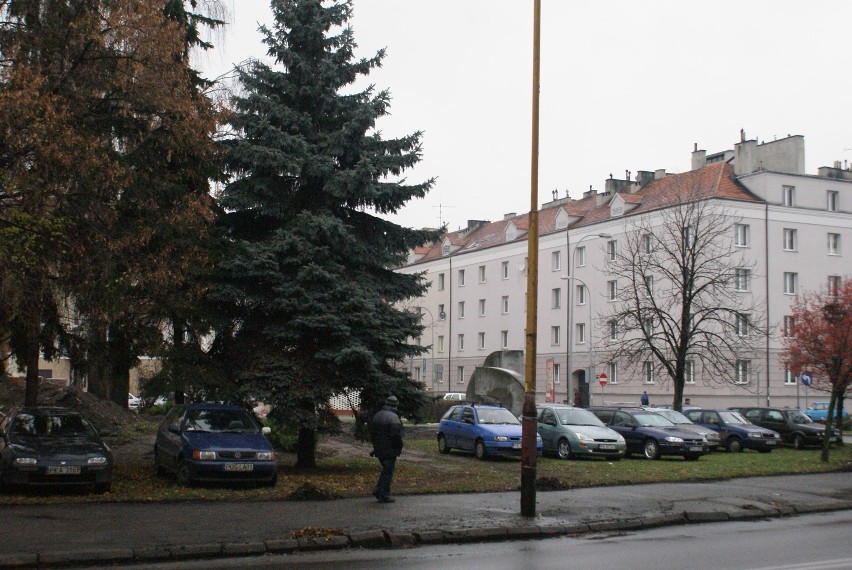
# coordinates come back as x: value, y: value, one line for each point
x: 606, y: 446
x: 63, y: 469
x: 516, y: 446
x: 697, y: 448
x: 239, y: 467
x: 770, y: 442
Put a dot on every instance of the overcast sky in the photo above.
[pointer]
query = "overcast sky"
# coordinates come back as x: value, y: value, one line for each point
x: 625, y: 85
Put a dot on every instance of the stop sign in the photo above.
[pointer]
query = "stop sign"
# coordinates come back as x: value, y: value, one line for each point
x: 602, y: 379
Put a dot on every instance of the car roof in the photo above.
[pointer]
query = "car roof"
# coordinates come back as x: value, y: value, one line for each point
x: 204, y: 406
x: 552, y: 405
x: 41, y: 410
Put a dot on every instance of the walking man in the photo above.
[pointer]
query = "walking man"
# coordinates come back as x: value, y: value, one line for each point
x: 643, y: 399
x: 386, y: 434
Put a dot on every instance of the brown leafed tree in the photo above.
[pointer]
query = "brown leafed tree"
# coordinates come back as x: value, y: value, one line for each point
x: 821, y: 343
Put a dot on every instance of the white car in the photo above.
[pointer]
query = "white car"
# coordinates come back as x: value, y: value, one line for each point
x: 133, y: 402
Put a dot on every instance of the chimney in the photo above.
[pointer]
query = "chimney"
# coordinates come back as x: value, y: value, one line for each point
x: 509, y: 216
x: 643, y: 177
x: 590, y: 192
x: 659, y: 174
x: 699, y: 158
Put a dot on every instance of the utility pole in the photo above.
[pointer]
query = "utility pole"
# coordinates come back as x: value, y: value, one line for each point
x: 529, y: 421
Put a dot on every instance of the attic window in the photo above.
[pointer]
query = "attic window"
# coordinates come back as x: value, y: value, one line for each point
x: 617, y: 210
x: 561, y: 220
x: 511, y: 232
x: 445, y: 248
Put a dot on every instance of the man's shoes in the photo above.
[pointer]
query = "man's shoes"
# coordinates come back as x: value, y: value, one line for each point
x: 376, y: 492
x: 386, y: 499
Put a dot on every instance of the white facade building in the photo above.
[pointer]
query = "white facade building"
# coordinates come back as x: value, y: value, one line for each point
x: 793, y: 230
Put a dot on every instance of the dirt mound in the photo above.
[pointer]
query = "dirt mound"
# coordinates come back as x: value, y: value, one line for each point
x: 103, y: 414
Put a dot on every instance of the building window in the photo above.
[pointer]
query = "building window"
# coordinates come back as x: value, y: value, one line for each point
x: 556, y: 260
x: 648, y: 326
x: 791, y: 282
x: 833, y: 244
x: 611, y: 249
x: 741, y: 235
x: 555, y: 298
x: 460, y: 343
x: 482, y: 341
x: 482, y: 274
x: 504, y: 339
x: 417, y: 373
x: 789, y: 325
x: 504, y: 269
x: 649, y: 284
x: 741, y: 324
x: 461, y: 309
x: 438, y: 373
x: 440, y: 343
x: 649, y: 372
x: 612, y: 290
x: 612, y: 372
x: 440, y: 282
x: 742, y: 277
x: 789, y: 378
x: 482, y: 307
x: 789, y: 239
x: 613, y: 330
x: 788, y: 195
x: 461, y: 277
x: 688, y: 237
x: 689, y: 372
x: 581, y: 333
x: 580, y: 257
x: 556, y: 376
x: 441, y: 313
x: 743, y: 371
x: 834, y: 285
x: 460, y: 371
x: 554, y: 336
x: 831, y: 200
x: 647, y: 243
x: 581, y: 295
x: 504, y: 304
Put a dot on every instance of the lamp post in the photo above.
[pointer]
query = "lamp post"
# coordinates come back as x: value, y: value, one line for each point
x: 570, y: 331
x: 432, y: 346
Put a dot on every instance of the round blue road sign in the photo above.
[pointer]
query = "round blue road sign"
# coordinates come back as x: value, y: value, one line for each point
x: 807, y: 378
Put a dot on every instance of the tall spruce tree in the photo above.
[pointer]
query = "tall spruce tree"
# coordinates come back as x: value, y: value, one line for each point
x: 309, y: 274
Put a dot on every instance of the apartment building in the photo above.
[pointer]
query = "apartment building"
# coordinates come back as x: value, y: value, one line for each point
x: 789, y: 228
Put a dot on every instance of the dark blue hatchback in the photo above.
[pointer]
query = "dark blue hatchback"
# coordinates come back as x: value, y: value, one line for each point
x: 651, y: 434
x: 214, y: 442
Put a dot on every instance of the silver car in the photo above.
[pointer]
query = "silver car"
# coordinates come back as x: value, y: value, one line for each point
x: 683, y: 423
x: 569, y: 432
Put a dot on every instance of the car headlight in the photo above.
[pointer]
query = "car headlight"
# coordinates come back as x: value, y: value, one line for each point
x: 99, y: 460
x: 537, y: 437
x: 755, y: 434
x: 501, y: 438
x: 26, y: 460
x: 266, y: 455
x: 672, y: 439
x: 204, y: 455
x: 583, y: 437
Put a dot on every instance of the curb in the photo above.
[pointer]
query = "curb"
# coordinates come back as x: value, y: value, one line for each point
x: 390, y: 539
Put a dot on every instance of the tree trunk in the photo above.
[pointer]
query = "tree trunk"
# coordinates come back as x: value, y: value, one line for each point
x: 31, y: 391
x: 826, y: 438
x: 306, y: 447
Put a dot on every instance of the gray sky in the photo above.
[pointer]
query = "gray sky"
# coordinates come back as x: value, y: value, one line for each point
x: 625, y: 85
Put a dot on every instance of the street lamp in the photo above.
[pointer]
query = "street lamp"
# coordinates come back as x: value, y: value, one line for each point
x: 570, y: 311
x: 432, y: 347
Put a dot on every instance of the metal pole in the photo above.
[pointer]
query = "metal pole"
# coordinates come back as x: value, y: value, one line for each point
x: 432, y: 347
x: 528, y: 422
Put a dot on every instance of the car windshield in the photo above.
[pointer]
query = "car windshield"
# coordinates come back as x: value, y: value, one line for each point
x: 733, y: 418
x: 497, y: 416
x: 651, y: 419
x: 579, y: 417
x: 52, y: 425
x: 221, y: 421
x: 798, y: 417
x: 674, y: 416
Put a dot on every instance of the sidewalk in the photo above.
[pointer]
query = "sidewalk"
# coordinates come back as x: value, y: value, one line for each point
x: 51, y: 536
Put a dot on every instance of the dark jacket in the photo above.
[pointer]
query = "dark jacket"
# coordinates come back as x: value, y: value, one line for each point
x: 386, y: 433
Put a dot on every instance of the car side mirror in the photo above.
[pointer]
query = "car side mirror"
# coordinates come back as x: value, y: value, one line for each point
x: 266, y: 430
x: 174, y: 428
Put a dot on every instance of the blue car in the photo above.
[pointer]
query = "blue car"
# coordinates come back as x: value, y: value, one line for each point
x: 483, y: 429
x: 214, y: 442
x: 650, y: 434
x: 737, y: 433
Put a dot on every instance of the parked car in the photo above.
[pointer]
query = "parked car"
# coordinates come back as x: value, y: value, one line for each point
x: 483, y: 429
x: 684, y: 423
x: 134, y: 402
x: 214, y: 442
x: 650, y: 434
x: 568, y: 432
x: 53, y: 446
x: 736, y: 432
x: 795, y: 428
x: 455, y: 396
x: 818, y: 412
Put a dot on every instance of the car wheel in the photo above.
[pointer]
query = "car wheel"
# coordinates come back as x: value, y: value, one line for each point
x: 563, y: 449
x: 734, y: 445
x: 798, y: 441
x: 479, y: 449
x: 184, y: 475
x: 651, y: 449
x: 159, y: 470
x: 101, y: 488
x: 442, y: 444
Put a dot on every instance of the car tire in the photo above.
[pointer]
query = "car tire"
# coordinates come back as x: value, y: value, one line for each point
x: 159, y: 470
x: 651, y: 449
x: 184, y: 474
x: 479, y: 450
x: 734, y: 445
x: 563, y: 449
x: 798, y: 441
x: 101, y: 488
x: 442, y: 444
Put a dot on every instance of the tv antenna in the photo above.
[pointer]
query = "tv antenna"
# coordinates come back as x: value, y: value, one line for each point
x: 441, y: 213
